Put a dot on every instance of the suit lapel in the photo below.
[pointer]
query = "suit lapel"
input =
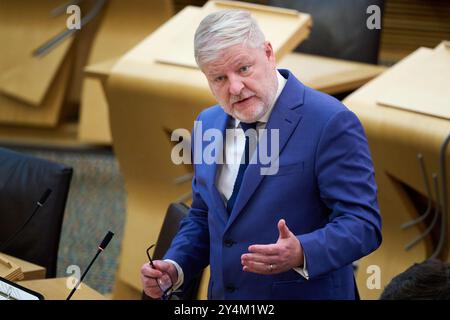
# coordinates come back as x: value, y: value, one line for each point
x: 285, y: 117
x: 211, y: 169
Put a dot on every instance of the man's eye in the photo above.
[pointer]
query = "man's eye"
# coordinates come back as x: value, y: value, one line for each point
x: 244, y: 69
x: 219, y: 79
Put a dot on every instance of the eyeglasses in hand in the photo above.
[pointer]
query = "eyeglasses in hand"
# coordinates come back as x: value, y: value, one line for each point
x: 164, y: 282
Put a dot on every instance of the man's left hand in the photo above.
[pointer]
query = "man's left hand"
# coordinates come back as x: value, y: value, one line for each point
x: 285, y: 254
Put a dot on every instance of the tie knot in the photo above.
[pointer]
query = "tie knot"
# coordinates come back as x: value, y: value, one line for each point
x: 246, y: 126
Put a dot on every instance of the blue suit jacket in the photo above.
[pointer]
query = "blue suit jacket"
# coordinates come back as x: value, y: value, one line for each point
x: 324, y: 189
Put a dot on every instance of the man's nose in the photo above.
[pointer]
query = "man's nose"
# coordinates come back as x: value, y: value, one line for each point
x: 236, y: 86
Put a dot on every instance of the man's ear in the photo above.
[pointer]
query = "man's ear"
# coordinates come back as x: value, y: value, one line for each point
x: 269, y: 51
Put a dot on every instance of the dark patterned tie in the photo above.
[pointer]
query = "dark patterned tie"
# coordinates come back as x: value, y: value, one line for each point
x: 242, y: 166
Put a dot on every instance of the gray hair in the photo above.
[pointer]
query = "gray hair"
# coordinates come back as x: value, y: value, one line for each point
x: 223, y: 29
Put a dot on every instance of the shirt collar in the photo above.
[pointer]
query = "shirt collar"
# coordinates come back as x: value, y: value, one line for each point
x: 281, y: 83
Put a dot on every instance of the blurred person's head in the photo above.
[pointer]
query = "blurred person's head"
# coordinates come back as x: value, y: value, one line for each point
x: 238, y: 63
x: 429, y: 280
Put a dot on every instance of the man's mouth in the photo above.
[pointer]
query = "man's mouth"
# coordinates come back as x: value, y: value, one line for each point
x: 242, y: 102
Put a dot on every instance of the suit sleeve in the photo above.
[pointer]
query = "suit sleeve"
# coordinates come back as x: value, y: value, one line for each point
x: 346, y: 180
x: 190, y: 247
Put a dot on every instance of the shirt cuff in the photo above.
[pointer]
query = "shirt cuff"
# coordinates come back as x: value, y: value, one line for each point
x: 180, y: 279
x: 302, y: 270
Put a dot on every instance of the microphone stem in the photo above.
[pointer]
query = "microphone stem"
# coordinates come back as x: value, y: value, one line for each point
x: 84, y: 274
x: 8, y: 242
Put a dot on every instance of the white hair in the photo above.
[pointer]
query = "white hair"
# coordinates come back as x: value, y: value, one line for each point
x: 223, y: 29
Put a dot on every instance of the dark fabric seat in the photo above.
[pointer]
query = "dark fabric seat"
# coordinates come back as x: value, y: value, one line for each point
x: 339, y: 28
x: 175, y: 213
x: 23, y: 181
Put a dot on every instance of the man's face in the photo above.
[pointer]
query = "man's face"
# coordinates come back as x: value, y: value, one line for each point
x: 243, y: 80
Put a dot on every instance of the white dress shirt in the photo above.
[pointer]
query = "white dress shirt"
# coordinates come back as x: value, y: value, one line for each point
x: 234, y: 149
x: 227, y: 173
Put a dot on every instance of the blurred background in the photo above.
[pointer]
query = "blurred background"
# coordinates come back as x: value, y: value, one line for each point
x: 102, y: 101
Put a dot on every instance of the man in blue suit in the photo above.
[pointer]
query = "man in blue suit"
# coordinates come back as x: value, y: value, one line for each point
x: 292, y: 233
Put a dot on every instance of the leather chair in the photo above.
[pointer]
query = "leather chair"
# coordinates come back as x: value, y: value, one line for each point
x: 339, y: 28
x: 23, y: 181
x: 175, y: 213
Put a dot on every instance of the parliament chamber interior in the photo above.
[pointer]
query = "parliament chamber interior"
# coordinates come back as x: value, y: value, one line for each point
x: 92, y: 93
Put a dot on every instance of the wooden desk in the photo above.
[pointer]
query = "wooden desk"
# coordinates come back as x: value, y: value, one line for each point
x: 329, y: 75
x: 64, y: 135
x: 113, y: 39
x: 396, y: 136
x: 56, y: 289
x: 30, y: 270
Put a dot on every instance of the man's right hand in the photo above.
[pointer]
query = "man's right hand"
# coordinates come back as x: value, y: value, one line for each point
x: 150, y: 276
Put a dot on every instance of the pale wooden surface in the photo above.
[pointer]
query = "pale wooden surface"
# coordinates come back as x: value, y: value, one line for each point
x: 426, y: 68
x: 40, y: 91
x: 139, y: 91
x: 47, y: 114
x: 24, y: 26
x: 9, y: 270
x: 285, y: 28
x: 30, y: 270
x: 56, y: 289
x: 124, y: 291
x: 101, y: 70
x: 395, y: 137
x: 64, y: 135
x: 124, y: 24
x: 327, y: 74
x: 407, y: 25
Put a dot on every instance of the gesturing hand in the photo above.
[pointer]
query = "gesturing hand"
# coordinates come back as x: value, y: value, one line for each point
x: 285, y: 254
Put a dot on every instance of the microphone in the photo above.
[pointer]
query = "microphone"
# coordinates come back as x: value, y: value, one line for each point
x: 44, y: 197
x: 39, y: 204
x: 106, y: 241
x: 101, y: 247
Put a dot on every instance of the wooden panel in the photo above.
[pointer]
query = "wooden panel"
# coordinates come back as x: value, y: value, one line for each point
x: 15, y: 112
x: 124, y: 24
x: 295, y: 28
x: 395, y: 138
x: 410, y: 24
x: 30, y: 270
x: 428, y: 69
x: 64, y: 135
x: 24, y: 26
x: 329, y: 75
x: 56, y: 289
x: 9, y: 269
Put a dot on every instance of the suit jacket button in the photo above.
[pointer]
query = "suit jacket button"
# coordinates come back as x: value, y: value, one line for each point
x: 230, y: 289
x: 229, y: 242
